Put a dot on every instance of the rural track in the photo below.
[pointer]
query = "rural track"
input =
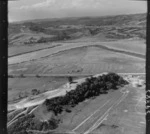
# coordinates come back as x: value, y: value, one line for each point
x: 111, y: 49
x: 101, y: 118
x: 15, y: 118
x: 90, y: 116
x: 138, y: 103
x: 19, y: 114
x: 65, y: 75
x: 49, y: 94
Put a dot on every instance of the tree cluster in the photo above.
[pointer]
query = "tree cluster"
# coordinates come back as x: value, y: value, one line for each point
x: 29, y: 122
x: 92, y: 87
x: 36, y: 28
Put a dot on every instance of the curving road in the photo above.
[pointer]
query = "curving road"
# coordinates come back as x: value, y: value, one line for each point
x: 65, y: 47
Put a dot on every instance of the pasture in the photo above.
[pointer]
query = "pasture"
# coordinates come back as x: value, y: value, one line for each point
x: 84, y: 60
x: 19, y: 88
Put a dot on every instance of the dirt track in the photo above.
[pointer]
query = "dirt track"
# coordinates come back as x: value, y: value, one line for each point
x: 47, y: 52
x: 123, y: 108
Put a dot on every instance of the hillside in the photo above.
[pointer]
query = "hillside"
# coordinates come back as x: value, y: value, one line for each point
x: 49, y: 30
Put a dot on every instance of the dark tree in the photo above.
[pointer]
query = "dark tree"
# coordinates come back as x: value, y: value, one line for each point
x: 70, y: 79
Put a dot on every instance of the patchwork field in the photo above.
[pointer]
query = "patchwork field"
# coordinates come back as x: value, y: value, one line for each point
x: 86, y: 60
x: 133, y: 46
x: 77, y: 47
x: 14, y: 51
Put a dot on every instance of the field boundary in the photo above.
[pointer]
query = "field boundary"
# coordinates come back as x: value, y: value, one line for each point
x: 64, y: 75
x: 33, y: 51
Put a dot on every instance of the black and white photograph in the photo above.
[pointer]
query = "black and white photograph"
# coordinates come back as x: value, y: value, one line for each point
x: 76, y: 67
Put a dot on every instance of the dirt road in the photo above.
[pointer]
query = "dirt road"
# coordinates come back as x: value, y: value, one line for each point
x: 124, y: 113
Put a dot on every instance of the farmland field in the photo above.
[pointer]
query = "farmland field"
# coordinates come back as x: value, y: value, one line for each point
x: 122, y: 119
x: 91, y: 59
x: 124, y: 45
x: 13, y: 51
x: 49, y: 58
x: 20, y: 88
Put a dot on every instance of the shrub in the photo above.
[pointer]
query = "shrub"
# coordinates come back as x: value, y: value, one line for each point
x: 35, y: 92
x: 22, y: 76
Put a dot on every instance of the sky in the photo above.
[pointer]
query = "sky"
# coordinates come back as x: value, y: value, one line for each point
x: 39, y: 9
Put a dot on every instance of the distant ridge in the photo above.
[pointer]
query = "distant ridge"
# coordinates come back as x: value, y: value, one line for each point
x: 84, y: 17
